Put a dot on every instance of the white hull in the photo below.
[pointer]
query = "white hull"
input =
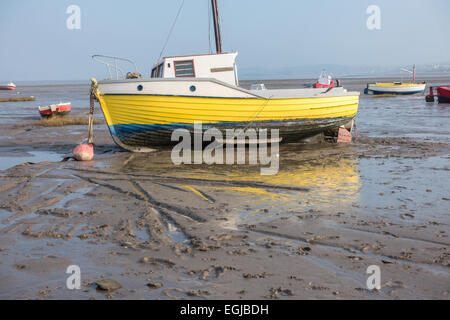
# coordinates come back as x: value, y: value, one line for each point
x: 210, y: 88
x: 397, y: 89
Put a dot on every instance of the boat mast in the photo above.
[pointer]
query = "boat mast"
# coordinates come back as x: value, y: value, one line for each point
x: 216, y: 26
x: 414, y: 73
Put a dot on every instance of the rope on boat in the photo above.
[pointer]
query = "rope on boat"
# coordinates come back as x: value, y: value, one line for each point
x: 209, y: 25
x: 170, y: 32
x: 259, y: 112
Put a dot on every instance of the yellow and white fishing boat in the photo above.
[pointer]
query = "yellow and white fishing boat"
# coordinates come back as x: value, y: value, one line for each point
x: 183, y: 90
x: 396, y: 87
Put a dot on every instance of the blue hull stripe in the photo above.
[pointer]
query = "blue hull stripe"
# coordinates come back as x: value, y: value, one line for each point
x: 120, y: 129
x: 141, y: 135
x: 394, y: 92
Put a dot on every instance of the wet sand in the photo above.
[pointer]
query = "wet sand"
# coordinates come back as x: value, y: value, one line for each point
x: 224, y: 232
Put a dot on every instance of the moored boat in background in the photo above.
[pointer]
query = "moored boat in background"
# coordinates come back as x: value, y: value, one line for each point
x: 59, y: 109
x: 9, y: 86
x: 396, y: 87
x: 325, y: 81
x: 442, y: 93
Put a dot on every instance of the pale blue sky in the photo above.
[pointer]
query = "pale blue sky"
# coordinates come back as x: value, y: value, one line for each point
x: 36, y: 45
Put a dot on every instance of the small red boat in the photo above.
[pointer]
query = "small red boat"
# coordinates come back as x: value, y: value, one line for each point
x: 9, y: 86
x: 443, y: 94
x: 324, y: 81
x: 59, y: 109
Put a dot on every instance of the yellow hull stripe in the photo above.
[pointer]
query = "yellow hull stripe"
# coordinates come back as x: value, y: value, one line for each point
x: 391, y: 84
x: 149, y: 109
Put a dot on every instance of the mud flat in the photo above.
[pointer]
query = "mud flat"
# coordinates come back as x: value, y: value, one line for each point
x: 58, y: 121
x: 17, y: 99
x: 203, y: 232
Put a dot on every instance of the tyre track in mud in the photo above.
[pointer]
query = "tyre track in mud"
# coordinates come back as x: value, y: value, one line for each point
x: 338, y: 261
x: 155, y: 220
x: 194, y: 181
x: 41, y: 201
x: 144, y: 196
x: 158, y: 217
x: 433, y: 267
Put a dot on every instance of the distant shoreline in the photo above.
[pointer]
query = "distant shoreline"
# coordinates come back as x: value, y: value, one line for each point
x: 444, y: 78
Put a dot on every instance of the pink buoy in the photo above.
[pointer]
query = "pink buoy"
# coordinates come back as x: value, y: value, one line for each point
x: 84, y: 152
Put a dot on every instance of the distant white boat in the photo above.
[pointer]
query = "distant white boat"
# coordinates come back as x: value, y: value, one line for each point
x: 9, y: 86
x: 397, y: 87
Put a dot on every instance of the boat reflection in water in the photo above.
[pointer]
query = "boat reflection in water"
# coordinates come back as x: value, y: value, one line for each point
x: 308, y: 181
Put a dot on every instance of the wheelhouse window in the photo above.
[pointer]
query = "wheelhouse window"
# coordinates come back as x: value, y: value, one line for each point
x: 184, y: 69
x: 157, y: 72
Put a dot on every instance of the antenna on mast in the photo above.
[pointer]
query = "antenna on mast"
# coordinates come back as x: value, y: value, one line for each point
x: 215, y: 11
x: 413, y: 72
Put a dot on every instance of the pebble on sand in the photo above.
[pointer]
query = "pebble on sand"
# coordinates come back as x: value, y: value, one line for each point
x: 156, y: 285
x: 108, y: 285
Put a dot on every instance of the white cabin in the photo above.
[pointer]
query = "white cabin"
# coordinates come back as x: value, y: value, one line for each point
x: 220, y: 66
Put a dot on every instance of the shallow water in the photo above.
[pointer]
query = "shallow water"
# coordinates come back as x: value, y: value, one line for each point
x: 14, y: 112
x: 403, y: 116
x: 10, y: 160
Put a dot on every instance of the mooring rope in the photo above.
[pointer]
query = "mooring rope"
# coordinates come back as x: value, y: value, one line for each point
x: 92, y: 98
x: 209, y: 25
x: 259, y: 112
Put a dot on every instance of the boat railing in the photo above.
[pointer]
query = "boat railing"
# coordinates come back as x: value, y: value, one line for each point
x: 111, y: 64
